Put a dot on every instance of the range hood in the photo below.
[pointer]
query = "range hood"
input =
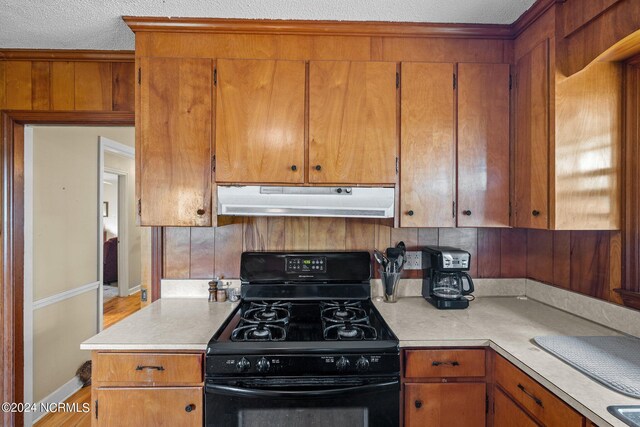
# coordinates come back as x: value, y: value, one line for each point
x: 268, y: 200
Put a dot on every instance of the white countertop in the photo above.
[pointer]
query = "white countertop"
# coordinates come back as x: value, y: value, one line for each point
x: 167, y: 324
x: 507, y: 324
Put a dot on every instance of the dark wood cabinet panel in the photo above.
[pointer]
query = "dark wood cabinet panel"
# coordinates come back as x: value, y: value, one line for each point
x: 442, y: 404
x: 427, y: 159
x: 260, y: 121
x: 536, y: 399
x: 507, y: 413
x: 353, y: 134
x: 531, y: 166
x: 174, y: 154
x: 483, y: 145
x: 148, y: 406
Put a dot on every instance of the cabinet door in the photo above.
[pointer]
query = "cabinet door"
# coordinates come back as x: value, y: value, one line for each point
x: 352, y: 122
x: 483, y: 145
x: 532, y: 139
x: 148, y: 406
x: 507, y: 413
x: 445, y: 404
x: 175, y: 142
x: 260, y: 121
x: 427, y: 175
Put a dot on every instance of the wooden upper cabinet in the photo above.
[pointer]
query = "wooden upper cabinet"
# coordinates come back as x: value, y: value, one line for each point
x: 174, y: 153
x: 352, y: 122
x: 483, y: 145
x: 427, y: 175
x: 531, y: 166
x: 260, y: 108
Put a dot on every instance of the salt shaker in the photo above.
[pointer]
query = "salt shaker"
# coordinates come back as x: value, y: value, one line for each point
x: 221, y: 293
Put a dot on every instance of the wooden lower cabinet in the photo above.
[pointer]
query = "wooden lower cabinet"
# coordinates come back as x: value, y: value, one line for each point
x: 147, y: 389
x: 507, y: 413
x: 444, y: 404
x: 530, y: 397
x: 148, y: 406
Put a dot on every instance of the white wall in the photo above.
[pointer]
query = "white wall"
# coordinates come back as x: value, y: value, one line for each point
x: 65, y: 249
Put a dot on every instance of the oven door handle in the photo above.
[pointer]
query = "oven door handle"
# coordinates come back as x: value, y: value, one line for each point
x: 241, y: 391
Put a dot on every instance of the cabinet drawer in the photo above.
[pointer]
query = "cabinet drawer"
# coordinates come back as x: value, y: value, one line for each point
x: 444, y: 363
x: 147, y: 369
x: 539, y: 401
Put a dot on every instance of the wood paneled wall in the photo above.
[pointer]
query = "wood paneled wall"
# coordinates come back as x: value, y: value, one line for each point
x: 66, y: 85
x: 204, y: 252
x: 581, y: 261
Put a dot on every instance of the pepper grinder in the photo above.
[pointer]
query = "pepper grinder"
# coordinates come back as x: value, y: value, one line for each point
x: 213, y: 287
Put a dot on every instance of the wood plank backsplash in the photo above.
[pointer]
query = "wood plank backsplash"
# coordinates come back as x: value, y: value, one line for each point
x: 583, y: 261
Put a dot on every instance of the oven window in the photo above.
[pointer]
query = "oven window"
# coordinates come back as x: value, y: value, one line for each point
x: 309, y: 417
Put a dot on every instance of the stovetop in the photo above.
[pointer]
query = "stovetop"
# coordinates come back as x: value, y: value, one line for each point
x: 304, y: 326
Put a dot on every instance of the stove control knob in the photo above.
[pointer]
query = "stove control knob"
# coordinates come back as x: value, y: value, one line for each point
x: 263, y: 365
x: 342, y: 364
x: 243, y: 365
x: 362, y: 365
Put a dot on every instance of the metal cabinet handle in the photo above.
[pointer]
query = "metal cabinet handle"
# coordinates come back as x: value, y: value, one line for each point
x: 451, y: 363
x: 418, y: 404
x: 294, y: 168
x: 535, y: 212
x: 467, y: 213
x: 190, y: 407
x: 200, y: 212
x: 149, y: 367
x: 410, y: 213
x: 528, y: 393
x: 318, y: 167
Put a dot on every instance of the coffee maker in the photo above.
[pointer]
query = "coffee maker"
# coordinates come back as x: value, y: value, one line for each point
x: 445, y: 283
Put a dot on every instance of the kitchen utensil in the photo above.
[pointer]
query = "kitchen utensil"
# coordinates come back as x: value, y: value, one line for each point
x: 381, y: 259
x: 390, y: 283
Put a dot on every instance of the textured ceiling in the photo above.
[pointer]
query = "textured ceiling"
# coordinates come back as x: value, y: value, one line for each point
x: 97, y: 24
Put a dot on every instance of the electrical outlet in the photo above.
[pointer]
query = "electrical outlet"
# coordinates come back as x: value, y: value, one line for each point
x: 414, y: 260
x: 143, y: 295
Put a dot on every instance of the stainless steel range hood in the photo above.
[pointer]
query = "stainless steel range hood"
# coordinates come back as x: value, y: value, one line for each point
x: 355, y: 202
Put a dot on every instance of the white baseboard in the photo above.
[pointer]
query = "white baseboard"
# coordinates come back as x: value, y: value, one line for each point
x: 58, y: 396
x: 134, y: 289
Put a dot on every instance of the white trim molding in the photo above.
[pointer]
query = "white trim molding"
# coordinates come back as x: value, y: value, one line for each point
x: 43, y: 302
x: 135, y: 289
x: 58, y: 396
x: 117, y: 148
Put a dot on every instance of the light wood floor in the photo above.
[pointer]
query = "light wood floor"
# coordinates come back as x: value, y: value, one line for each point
x: 115, y: 310
x: 118, y: 308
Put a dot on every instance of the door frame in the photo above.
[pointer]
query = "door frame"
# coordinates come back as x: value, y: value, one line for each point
x: 12, y: 239
x: 111, y: 146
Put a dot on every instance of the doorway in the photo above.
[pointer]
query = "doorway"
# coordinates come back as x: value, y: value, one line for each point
x: 120, y: 235
x: 63, y: 245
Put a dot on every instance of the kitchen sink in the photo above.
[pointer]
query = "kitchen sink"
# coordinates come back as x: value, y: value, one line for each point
x: 630, y: 414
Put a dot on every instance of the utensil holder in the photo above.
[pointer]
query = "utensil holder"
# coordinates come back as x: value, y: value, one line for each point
x: 390, y: 284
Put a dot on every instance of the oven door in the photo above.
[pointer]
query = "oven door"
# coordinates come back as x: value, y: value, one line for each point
x: 318, y: 402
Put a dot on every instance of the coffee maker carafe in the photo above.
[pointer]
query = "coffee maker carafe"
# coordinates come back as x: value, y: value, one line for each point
x: 445, y: 281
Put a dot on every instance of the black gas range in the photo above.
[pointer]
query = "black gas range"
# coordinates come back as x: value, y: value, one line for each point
x: 305, y: 346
